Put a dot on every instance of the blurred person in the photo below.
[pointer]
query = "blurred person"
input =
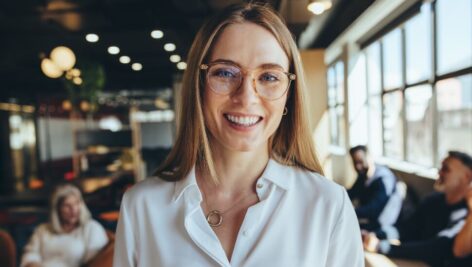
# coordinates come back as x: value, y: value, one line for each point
x: 242, y: 186
x: 374, y: 186
x: 428, y: 234
x: 70, y: 238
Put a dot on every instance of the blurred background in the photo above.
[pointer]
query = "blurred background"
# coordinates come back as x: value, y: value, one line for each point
x: 89, y: 91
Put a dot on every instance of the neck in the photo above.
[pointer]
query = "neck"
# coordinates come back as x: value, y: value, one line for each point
x: 68, y: 227
x: 237, y: 172
x: 454, y: 198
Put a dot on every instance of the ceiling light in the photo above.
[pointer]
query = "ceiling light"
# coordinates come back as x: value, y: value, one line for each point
x: 175, y: 58
x: 125, y: 59
x: 113, y: 50
x: 63, y: 57
x: 169, y: 47
x: 75, y: 72
x: 137, y: 66
x: 157, y: 34
x: 50, y: 69
x: 317, y: 7
x: 92, y: 38
x: 181, y: 65
x: 77, y: 80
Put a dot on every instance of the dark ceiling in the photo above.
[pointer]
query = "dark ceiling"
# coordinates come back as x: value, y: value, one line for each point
x: 30, y: 29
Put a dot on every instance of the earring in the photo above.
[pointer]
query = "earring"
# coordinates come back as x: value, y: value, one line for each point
x: 285, y: 111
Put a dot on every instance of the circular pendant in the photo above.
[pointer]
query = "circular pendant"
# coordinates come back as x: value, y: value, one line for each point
x: 214, y: 218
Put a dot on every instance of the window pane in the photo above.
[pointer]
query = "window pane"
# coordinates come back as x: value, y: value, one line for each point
x: 340, y: 82
x: 357, y: 97
x: 454, y: 26
x: 393, y: 127
x: 373, y: 69
x: 392, y: 56
x: 454, y: 114
x: 331, y: 77
x: 419, y: 125
x: 375, y: 126
x: 333, y: 126
x: 418, y: 46
x: 341, y: 128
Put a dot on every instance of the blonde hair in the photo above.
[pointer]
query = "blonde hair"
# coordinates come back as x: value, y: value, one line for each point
x: 291, y: 144
x: 58, y: 196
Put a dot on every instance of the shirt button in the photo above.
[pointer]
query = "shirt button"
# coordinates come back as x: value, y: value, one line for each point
x: 259, y: 186
x: 245, y: 233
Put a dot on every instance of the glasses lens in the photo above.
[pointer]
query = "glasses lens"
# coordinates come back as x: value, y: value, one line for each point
x: 271, y: 84
x: 224, y: 78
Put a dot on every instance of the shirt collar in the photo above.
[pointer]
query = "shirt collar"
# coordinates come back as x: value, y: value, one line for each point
x: 274, y: 172
x: 278, y: 174
x: 188, y: 181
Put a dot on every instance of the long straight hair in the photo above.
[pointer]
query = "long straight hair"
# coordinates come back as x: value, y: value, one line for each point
x: 291, y: 144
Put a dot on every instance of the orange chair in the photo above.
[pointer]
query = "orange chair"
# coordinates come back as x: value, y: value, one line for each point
x: 7, y: 250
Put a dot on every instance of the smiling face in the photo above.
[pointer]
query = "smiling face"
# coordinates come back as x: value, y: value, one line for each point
x: 242, y: 120
x: 454, y: 177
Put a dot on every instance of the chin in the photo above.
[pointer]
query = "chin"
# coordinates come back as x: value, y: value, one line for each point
x: 439, y: 186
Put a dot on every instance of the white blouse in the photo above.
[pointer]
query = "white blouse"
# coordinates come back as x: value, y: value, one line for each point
x: 64, y: 250
x: 302, y: 219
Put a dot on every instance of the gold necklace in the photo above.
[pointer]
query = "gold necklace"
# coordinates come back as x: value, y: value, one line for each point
x: 215, y: 217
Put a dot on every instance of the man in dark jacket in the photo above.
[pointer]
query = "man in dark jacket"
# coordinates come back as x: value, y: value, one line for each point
x: 374, y: 186
x: 429, y: 233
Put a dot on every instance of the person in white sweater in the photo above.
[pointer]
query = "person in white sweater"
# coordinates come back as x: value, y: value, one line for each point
x: 70, y: 238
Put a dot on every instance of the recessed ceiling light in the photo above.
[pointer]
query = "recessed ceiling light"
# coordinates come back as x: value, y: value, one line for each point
x: 125, y: 59
x: 181, y: 65
x: 175, y: 58
x: 113, y: 50
x: 169, y: 47
x: 157, y: 34
x: 137, y: 66
x: 92, y: 38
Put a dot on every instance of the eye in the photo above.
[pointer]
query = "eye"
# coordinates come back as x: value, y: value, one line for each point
x: 224, y: 73
x: 269, y: 77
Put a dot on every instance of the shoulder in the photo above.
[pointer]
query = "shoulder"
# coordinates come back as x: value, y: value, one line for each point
x: 93, y: 226
x: 312, y: 184
x: 44, y: 228
x: 384, y: 171
x: 150, y: 190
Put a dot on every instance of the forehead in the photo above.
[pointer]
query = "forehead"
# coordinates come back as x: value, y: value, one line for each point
x: 71, y: 198
x: 359, y: 154
x: 249, y: 45
x: 453, y: 163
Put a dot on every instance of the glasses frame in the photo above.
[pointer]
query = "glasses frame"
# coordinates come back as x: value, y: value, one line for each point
x: 205, y: 66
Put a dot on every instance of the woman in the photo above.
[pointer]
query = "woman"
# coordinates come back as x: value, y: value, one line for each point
x: 242, y: 185
x: 70, y: 238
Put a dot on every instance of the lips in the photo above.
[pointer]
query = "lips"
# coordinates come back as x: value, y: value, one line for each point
x: 245, y: 121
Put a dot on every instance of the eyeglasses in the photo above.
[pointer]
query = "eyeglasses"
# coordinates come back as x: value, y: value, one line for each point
x: 225, y: 78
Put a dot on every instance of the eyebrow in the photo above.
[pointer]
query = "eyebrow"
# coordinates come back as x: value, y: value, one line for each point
x: 262, y: 66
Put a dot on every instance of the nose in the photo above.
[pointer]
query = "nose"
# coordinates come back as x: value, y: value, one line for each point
x: 246, y: 94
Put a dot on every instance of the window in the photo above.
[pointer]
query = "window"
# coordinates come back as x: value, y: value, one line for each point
x: 416, y: 110
x: 454, y: 35
x: 374, y: 88
x: 336, y: 103
x: 454, y: 101
x: 419, y: 124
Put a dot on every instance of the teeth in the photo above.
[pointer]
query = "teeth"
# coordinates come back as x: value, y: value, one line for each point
x: 246, y: 121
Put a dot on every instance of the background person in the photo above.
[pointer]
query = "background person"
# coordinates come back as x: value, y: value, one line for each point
x: 429, y: 233
x: 70, y: 238
x: 374, y: 186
